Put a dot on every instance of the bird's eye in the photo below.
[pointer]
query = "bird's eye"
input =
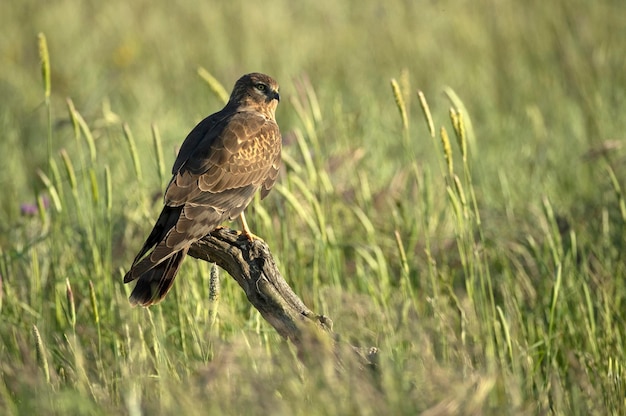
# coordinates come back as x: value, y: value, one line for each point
x: 261, y: 87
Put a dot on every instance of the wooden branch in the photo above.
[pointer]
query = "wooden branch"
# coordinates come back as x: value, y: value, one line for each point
x: 251, y: 264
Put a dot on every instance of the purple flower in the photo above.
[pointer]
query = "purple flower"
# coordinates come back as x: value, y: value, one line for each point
x: 30, y: 209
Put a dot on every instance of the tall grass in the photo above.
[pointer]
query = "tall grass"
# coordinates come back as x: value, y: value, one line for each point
x: 452, y: 194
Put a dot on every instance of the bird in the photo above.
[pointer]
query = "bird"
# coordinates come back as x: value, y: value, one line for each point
x: 223, y: 162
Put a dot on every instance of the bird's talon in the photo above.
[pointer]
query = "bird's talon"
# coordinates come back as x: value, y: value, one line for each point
x: 249, y: 236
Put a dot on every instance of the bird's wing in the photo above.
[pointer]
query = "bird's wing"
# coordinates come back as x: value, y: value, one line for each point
x: 239, y: 153
x: 272, y: 175
x: 216, y: 179
x: 202, y: 136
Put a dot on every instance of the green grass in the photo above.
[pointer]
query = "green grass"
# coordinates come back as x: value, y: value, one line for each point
x: 481, y: 252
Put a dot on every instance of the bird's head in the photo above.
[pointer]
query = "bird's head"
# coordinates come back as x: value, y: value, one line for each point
x: 257, y: 91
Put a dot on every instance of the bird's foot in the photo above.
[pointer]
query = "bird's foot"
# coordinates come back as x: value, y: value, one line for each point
x: 251, y: 237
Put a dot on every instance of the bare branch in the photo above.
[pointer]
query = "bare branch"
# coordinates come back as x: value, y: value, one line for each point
x: 251, y: 264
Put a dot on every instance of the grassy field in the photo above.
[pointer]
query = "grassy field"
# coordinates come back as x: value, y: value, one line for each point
x: 482, y: 253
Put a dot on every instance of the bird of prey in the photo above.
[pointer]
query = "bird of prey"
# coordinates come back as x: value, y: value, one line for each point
x: 222, y: 163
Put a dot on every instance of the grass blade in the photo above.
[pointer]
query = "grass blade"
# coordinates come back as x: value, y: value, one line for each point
x: 132, y: 148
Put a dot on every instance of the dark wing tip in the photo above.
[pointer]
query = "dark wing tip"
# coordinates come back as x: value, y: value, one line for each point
x: 128, y: 277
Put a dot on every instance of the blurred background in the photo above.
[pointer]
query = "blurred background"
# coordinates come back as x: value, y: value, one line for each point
x: 365, y: 221
x: 542, y: 80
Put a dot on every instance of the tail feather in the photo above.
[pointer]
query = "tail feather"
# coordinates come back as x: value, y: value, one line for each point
x: 168, y: 219
x: 155, y: 278
x: 159, y: 259
x: 153, y: 285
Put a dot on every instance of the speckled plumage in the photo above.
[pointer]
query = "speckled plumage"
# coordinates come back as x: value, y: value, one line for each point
x: 222, y: 163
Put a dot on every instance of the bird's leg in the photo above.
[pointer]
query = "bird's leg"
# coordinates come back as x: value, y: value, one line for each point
x: 245, y: 230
